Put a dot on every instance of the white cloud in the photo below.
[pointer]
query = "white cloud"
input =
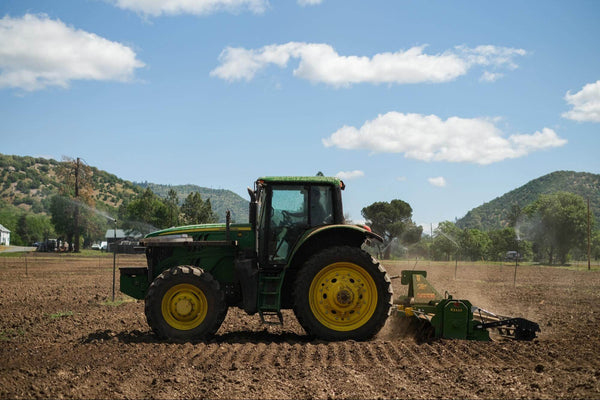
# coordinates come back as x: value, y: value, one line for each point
x: 586, y: 103
x: 347, y: 175
x: 488, y: 55
x: 309, y: 2
x: 36, y: 52
x: 488, y: 76
x: 195, y: 7
x: 401, y: 179
x: 545, y: 139
x: 438, y: 181
x: 319, y: 62
x: 429, y: 138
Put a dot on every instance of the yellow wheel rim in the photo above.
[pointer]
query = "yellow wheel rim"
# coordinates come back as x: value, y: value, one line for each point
x: 343, y: 296
x: 184, y: 306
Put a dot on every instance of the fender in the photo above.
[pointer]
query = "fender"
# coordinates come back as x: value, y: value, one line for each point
x: 359, y: 233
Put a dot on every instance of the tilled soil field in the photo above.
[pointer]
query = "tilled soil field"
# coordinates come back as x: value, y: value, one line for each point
x: 62, y: 337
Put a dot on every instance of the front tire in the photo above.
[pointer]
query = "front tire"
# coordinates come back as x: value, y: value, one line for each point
x: 185, y: 303
x: 342, y: 293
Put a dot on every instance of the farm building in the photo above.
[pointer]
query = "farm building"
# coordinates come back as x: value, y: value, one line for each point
x: 4, y: 236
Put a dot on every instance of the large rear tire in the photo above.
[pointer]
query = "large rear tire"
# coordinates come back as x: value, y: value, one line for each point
x: 185, y: 303
x: 342, y: 293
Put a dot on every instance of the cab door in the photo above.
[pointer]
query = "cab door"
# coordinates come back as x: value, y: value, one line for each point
x: 284, y: 219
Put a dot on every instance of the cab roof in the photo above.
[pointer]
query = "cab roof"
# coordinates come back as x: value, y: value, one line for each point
x: 327, y: 180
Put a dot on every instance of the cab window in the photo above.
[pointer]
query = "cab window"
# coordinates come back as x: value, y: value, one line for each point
x: 289, y: 218
x: 321, y: 205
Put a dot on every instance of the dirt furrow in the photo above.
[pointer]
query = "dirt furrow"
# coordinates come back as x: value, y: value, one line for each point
x: 62, y: 337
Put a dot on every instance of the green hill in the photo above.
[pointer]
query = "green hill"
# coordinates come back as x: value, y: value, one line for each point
x: 495, y: 214
x: 28, y: 183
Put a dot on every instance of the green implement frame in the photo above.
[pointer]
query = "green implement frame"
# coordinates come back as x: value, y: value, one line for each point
x: 451, y: 318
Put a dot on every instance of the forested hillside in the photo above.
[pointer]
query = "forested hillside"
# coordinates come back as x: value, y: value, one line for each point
x: 221, y: 199
x: 28, y: 183
x: 496, y: 214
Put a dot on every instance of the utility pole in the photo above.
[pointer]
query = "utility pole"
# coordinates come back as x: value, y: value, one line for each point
x: 76, y: 212
x: 77, y: 177
x: 589, y: 236
x: 114, y: 259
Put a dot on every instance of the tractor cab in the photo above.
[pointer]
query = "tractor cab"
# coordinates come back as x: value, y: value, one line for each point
x: 285, y: 208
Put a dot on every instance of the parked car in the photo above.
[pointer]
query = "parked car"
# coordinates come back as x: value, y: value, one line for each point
x: 512, y: 256
x: 103, y: 246
x: 96, y: 246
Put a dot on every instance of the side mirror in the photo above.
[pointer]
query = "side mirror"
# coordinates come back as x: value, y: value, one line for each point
x: 252, y: 194
x: 252, y: 208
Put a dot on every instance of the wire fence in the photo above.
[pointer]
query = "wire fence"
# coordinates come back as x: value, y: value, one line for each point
x: 104, y: 260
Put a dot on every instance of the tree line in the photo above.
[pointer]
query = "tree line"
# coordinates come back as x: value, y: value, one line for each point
x: 150, y: 210
x: 552, y: 229
x: 78, y: 222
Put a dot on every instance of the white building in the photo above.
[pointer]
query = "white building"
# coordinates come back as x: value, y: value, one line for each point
x: 4, y: 236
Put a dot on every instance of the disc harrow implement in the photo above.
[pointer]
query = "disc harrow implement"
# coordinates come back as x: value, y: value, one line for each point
x: 449, y: 318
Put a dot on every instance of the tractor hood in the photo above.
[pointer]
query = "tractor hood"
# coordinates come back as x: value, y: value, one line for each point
x: 196, y: 230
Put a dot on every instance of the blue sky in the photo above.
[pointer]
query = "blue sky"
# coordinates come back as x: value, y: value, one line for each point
x: 443, y: 104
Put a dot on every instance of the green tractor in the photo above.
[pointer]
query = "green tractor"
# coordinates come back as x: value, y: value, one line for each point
x: 295, y: 253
